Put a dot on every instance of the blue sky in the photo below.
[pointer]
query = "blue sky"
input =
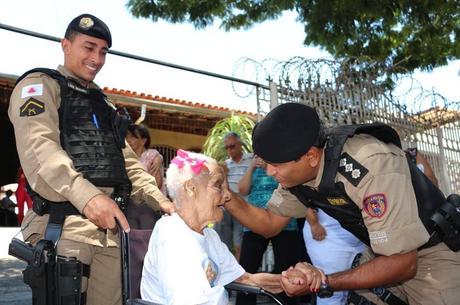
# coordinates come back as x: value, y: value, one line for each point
x: 210, y: 49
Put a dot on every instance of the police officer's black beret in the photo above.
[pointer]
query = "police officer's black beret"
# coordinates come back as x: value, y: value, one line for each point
x: 286, y: 133
x: 92, y: 26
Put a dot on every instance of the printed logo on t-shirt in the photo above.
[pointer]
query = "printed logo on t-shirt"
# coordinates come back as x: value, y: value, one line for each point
x: 211, y: 270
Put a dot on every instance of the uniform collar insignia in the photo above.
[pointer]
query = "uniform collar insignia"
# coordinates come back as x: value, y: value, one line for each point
x: 351, y: 169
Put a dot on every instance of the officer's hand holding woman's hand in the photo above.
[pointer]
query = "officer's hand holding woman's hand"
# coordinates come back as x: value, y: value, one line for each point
x: 102, y: 211
x: 302, y: 279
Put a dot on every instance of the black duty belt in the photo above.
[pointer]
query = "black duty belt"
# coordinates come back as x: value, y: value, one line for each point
x: 58, y: 212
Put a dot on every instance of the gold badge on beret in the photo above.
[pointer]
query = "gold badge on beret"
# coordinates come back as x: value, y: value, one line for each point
x: 86, y: 23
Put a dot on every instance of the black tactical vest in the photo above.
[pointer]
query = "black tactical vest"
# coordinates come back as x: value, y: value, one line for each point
x: 91, y: 132
x: 332, y: 198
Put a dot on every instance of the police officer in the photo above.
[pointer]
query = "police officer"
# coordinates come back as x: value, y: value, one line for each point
x: 368, y: 186
x: 71, y: 145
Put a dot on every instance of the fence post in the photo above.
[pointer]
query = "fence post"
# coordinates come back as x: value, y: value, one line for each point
x: 273, y: 94
x: 442, y: 157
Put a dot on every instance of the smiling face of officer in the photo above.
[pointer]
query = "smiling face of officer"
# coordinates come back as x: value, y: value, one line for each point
x: 84, y: 55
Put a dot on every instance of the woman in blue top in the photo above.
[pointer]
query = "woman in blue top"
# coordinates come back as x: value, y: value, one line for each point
x: 258, y: 186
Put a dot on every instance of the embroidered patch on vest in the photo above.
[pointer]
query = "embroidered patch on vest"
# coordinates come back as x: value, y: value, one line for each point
x: 375, y: 205
x: 32, y: 107
x: 351, y: 169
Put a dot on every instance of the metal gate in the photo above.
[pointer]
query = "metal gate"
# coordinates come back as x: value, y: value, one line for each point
x: 345, y: 94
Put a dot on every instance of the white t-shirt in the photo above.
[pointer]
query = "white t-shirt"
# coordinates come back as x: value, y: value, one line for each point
x: 176, y: 262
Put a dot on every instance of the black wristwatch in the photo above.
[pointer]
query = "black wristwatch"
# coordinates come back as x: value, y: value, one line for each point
x: 325, y: 291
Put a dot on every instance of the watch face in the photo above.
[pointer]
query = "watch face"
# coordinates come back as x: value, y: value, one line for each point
x: 325, y: 291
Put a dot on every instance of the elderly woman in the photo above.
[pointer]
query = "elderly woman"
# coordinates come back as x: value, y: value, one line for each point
x: 186, y: 262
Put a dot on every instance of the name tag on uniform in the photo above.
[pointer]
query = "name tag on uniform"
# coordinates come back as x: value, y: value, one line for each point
x: 32, y: 90
x: 337, y: 201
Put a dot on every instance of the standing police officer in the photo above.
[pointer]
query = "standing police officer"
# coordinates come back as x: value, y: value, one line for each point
x: 365, y: 182
x: 70, y: 141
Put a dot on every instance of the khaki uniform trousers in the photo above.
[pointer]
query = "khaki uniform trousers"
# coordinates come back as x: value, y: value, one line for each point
x: 437, y: 280
x: 104, y: 284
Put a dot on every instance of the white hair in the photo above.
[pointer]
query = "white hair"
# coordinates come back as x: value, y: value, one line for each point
x: 176, y: 177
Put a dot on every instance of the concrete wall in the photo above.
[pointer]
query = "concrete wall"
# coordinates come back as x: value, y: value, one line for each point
x: 176, y: 139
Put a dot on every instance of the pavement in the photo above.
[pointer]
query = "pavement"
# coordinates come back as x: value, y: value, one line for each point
x: 13, y: 291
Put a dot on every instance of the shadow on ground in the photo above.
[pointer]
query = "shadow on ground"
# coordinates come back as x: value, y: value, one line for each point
x: 13, y: 291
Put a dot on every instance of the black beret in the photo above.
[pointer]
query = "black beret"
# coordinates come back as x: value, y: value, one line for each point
x: 92, y: 26
x: 286, y: 133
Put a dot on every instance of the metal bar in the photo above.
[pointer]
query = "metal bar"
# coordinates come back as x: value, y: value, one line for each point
x: 137, y: 57
x: 442, y: 157
x: 273, y: 95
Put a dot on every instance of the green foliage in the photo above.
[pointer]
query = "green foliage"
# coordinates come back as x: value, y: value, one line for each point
x: 407, y: 34
x: 214, y: 145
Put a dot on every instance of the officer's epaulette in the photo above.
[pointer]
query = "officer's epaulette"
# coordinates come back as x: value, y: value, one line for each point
x: 351, y: 169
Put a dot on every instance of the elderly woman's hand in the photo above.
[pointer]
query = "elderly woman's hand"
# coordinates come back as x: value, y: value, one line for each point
x: 302, y: 279
x: 268, y: 281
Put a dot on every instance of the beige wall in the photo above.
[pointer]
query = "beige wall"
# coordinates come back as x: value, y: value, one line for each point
x: 176, y: 139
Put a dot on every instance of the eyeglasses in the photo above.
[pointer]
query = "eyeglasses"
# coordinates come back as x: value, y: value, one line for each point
x: 230, y: 146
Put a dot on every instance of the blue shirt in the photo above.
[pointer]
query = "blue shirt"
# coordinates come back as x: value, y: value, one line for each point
x: 262, y: 187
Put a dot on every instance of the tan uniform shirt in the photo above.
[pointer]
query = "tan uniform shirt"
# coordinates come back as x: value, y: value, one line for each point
x: 50, y: 171
x: 394, y: 225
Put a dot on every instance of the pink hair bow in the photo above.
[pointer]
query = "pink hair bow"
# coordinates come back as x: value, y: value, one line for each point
x: 183, y: 158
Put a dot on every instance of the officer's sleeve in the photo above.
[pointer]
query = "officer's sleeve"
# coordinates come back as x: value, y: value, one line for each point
x: 145, y: 188
x: 388, y: 205
x: 284, y: 203
x: 33, y: 111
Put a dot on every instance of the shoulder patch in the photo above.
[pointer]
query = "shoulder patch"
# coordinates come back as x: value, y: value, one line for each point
x: 351, y: 169
x: 375, y: 205
x: 32, y: 90
x: 32, y: 107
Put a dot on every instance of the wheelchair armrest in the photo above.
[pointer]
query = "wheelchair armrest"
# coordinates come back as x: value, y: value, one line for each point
x: 248, y: 289
x: 139, y: 302
x: 245, y: 288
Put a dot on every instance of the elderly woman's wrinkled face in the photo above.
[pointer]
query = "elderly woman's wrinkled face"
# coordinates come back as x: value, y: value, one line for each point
x: 210, y: 195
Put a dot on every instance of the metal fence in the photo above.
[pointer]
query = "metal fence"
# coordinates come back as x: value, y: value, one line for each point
x: 344, y: 96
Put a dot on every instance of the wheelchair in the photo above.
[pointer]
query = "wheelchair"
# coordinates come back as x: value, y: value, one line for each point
x: 134, y: 246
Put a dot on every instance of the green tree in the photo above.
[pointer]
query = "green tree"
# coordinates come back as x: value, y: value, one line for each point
x: 406, y: 34
x: 214, y: 145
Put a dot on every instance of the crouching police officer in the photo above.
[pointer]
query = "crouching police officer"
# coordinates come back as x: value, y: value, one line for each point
x: 71, y: 145
x: 359, y: 175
